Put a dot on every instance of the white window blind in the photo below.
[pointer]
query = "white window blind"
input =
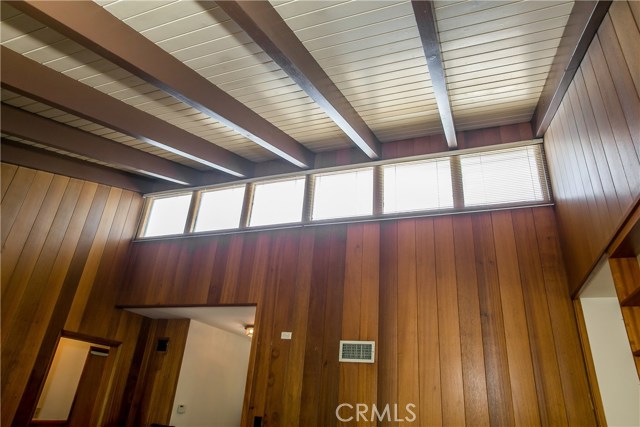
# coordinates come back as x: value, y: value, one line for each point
x: 417, y: 186
x: 343, y: 194
x: 220, y: 209
x: 497, y: 179
x: 510, y: 176
x: 277, y: 202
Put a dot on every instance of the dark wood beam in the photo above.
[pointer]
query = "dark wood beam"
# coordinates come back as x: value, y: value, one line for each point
x: 583, y: 23
x: 267, y: 28
x: 35, y: 158
x: 29, y: 78
x: 90, y: 25
x: 426, y: 20
x: 32, y: 127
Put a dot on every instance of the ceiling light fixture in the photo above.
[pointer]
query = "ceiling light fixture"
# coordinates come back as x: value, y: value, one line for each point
x: 248, y: 329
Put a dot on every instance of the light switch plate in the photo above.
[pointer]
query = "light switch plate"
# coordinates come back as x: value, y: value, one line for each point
x: 181, y: 409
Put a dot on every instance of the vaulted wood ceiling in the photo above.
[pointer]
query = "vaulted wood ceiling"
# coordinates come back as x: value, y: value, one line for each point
x: 196, y: 92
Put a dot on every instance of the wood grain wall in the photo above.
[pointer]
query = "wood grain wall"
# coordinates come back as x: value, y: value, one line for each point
x: 64, y: 243
x: 593, y: 143
x: 471, y: 316
x: 156, y: 374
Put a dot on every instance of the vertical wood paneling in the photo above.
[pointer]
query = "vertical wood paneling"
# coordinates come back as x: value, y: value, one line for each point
x: 348, y: 392
x: 16, y: 233
x: 614, y: 111
x: 615, y: 58
x: 545, y: 362
x: 38, y: 257
x: 593, y: 143
x: 57, y: 249
x: 408, y: 381
x: 523, y: 384
x: 495, y: 349
x: 309, y: 410
x: 453, y: 410
x: 300, y: 306
x: 473, y: 366
x: 627, y: 27
x: 284, y: 274
x: 333, y: 327
x: 573, y: 373
x: 13, y: 198
x: 8, y: 172
x: 470, y: 314
x: 369, y: 312
x: 111, y: 222
x: 428, y: 338
x: 388, y: 326
x: 434, y: 293
x: 161, y: 375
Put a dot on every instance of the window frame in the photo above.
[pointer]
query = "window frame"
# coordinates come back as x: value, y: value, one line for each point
x: 377, y: 197
x: 196, y: 205
x: 249, y: 209
x: 312, y: 201
x: 421, y: 210
x: 143, y: 223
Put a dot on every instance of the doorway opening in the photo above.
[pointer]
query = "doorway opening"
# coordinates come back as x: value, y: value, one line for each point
x: 613, y: 361
x: 74, y: 386
x: 211, y: 384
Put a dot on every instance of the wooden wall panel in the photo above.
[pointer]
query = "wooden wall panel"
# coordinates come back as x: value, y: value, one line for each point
x: 154, y: 393
x: 64, y: 244
x: 593, y: 143
x: 471, y: 315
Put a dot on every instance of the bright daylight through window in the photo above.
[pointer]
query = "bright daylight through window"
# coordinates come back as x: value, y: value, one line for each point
x: 220, y: 209
x: 167, y: 215
x: 417, y: 186
x: 277, y: 202
x: 507, y: 177
x: 343, y: 194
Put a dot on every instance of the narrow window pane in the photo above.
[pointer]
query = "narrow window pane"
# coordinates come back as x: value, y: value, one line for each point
x: 418, y: 186
x: 168, y: 215
x: 343, y: 194
x: 277, y: 202
x: 508, y: 176
x: 220, y: 209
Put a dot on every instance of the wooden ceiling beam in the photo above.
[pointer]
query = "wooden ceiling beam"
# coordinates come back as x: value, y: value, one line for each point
x: 426, y: 19
x: 36, y: 158
x: 32, y: 127
x: 269, y: 31
x: 582, y: 26
x: 88, y: 24
x: 29, y: 78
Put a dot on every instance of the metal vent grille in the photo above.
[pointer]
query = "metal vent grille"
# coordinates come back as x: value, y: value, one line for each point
x: 357, y: 351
